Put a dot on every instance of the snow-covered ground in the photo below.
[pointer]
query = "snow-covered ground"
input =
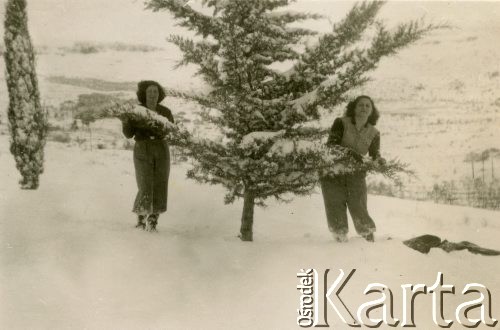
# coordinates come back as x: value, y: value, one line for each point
x: 72, y: 259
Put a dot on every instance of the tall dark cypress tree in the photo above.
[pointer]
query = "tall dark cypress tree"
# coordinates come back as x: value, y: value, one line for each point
x: 27, y: 120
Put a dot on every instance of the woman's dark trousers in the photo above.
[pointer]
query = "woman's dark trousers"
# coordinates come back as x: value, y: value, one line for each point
x: 152, y: 167
x: 342, y: 192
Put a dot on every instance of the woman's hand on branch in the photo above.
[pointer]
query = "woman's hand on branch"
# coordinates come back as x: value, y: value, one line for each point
x: 381, y: 161
x: 355, y: 155
x: 171, y: 127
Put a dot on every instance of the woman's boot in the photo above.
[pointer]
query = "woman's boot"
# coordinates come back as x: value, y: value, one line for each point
x: 152, y: 221
x: 141, y: 222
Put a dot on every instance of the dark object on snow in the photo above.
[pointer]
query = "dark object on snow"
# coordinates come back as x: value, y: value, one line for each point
x: 424, y: 244
x: 473, y: 248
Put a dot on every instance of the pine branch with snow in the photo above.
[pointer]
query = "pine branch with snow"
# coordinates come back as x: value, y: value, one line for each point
x: 130, y: 110
x: 189, y: 18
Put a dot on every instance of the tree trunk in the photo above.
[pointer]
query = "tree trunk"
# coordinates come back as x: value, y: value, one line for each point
x: 472, y: 164
x: 246, y: 230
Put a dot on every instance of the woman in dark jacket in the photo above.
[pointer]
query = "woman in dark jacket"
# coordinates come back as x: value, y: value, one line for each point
x: 151, y: 158
x: 356, y: 131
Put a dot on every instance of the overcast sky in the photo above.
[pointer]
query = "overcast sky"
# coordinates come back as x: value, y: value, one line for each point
x: 62, y: 22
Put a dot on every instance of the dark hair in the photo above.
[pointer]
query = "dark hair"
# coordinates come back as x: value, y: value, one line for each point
x: 349, y: 112
x: 141, y: 90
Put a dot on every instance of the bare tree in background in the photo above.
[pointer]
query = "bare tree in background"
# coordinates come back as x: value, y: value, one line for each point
x: 27, y: 119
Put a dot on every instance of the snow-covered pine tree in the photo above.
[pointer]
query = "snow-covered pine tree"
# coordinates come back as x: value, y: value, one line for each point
x: 270, y: 145
x: 27, y: 120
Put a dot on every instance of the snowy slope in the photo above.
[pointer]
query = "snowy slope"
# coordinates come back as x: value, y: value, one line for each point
x: 71, y: 259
